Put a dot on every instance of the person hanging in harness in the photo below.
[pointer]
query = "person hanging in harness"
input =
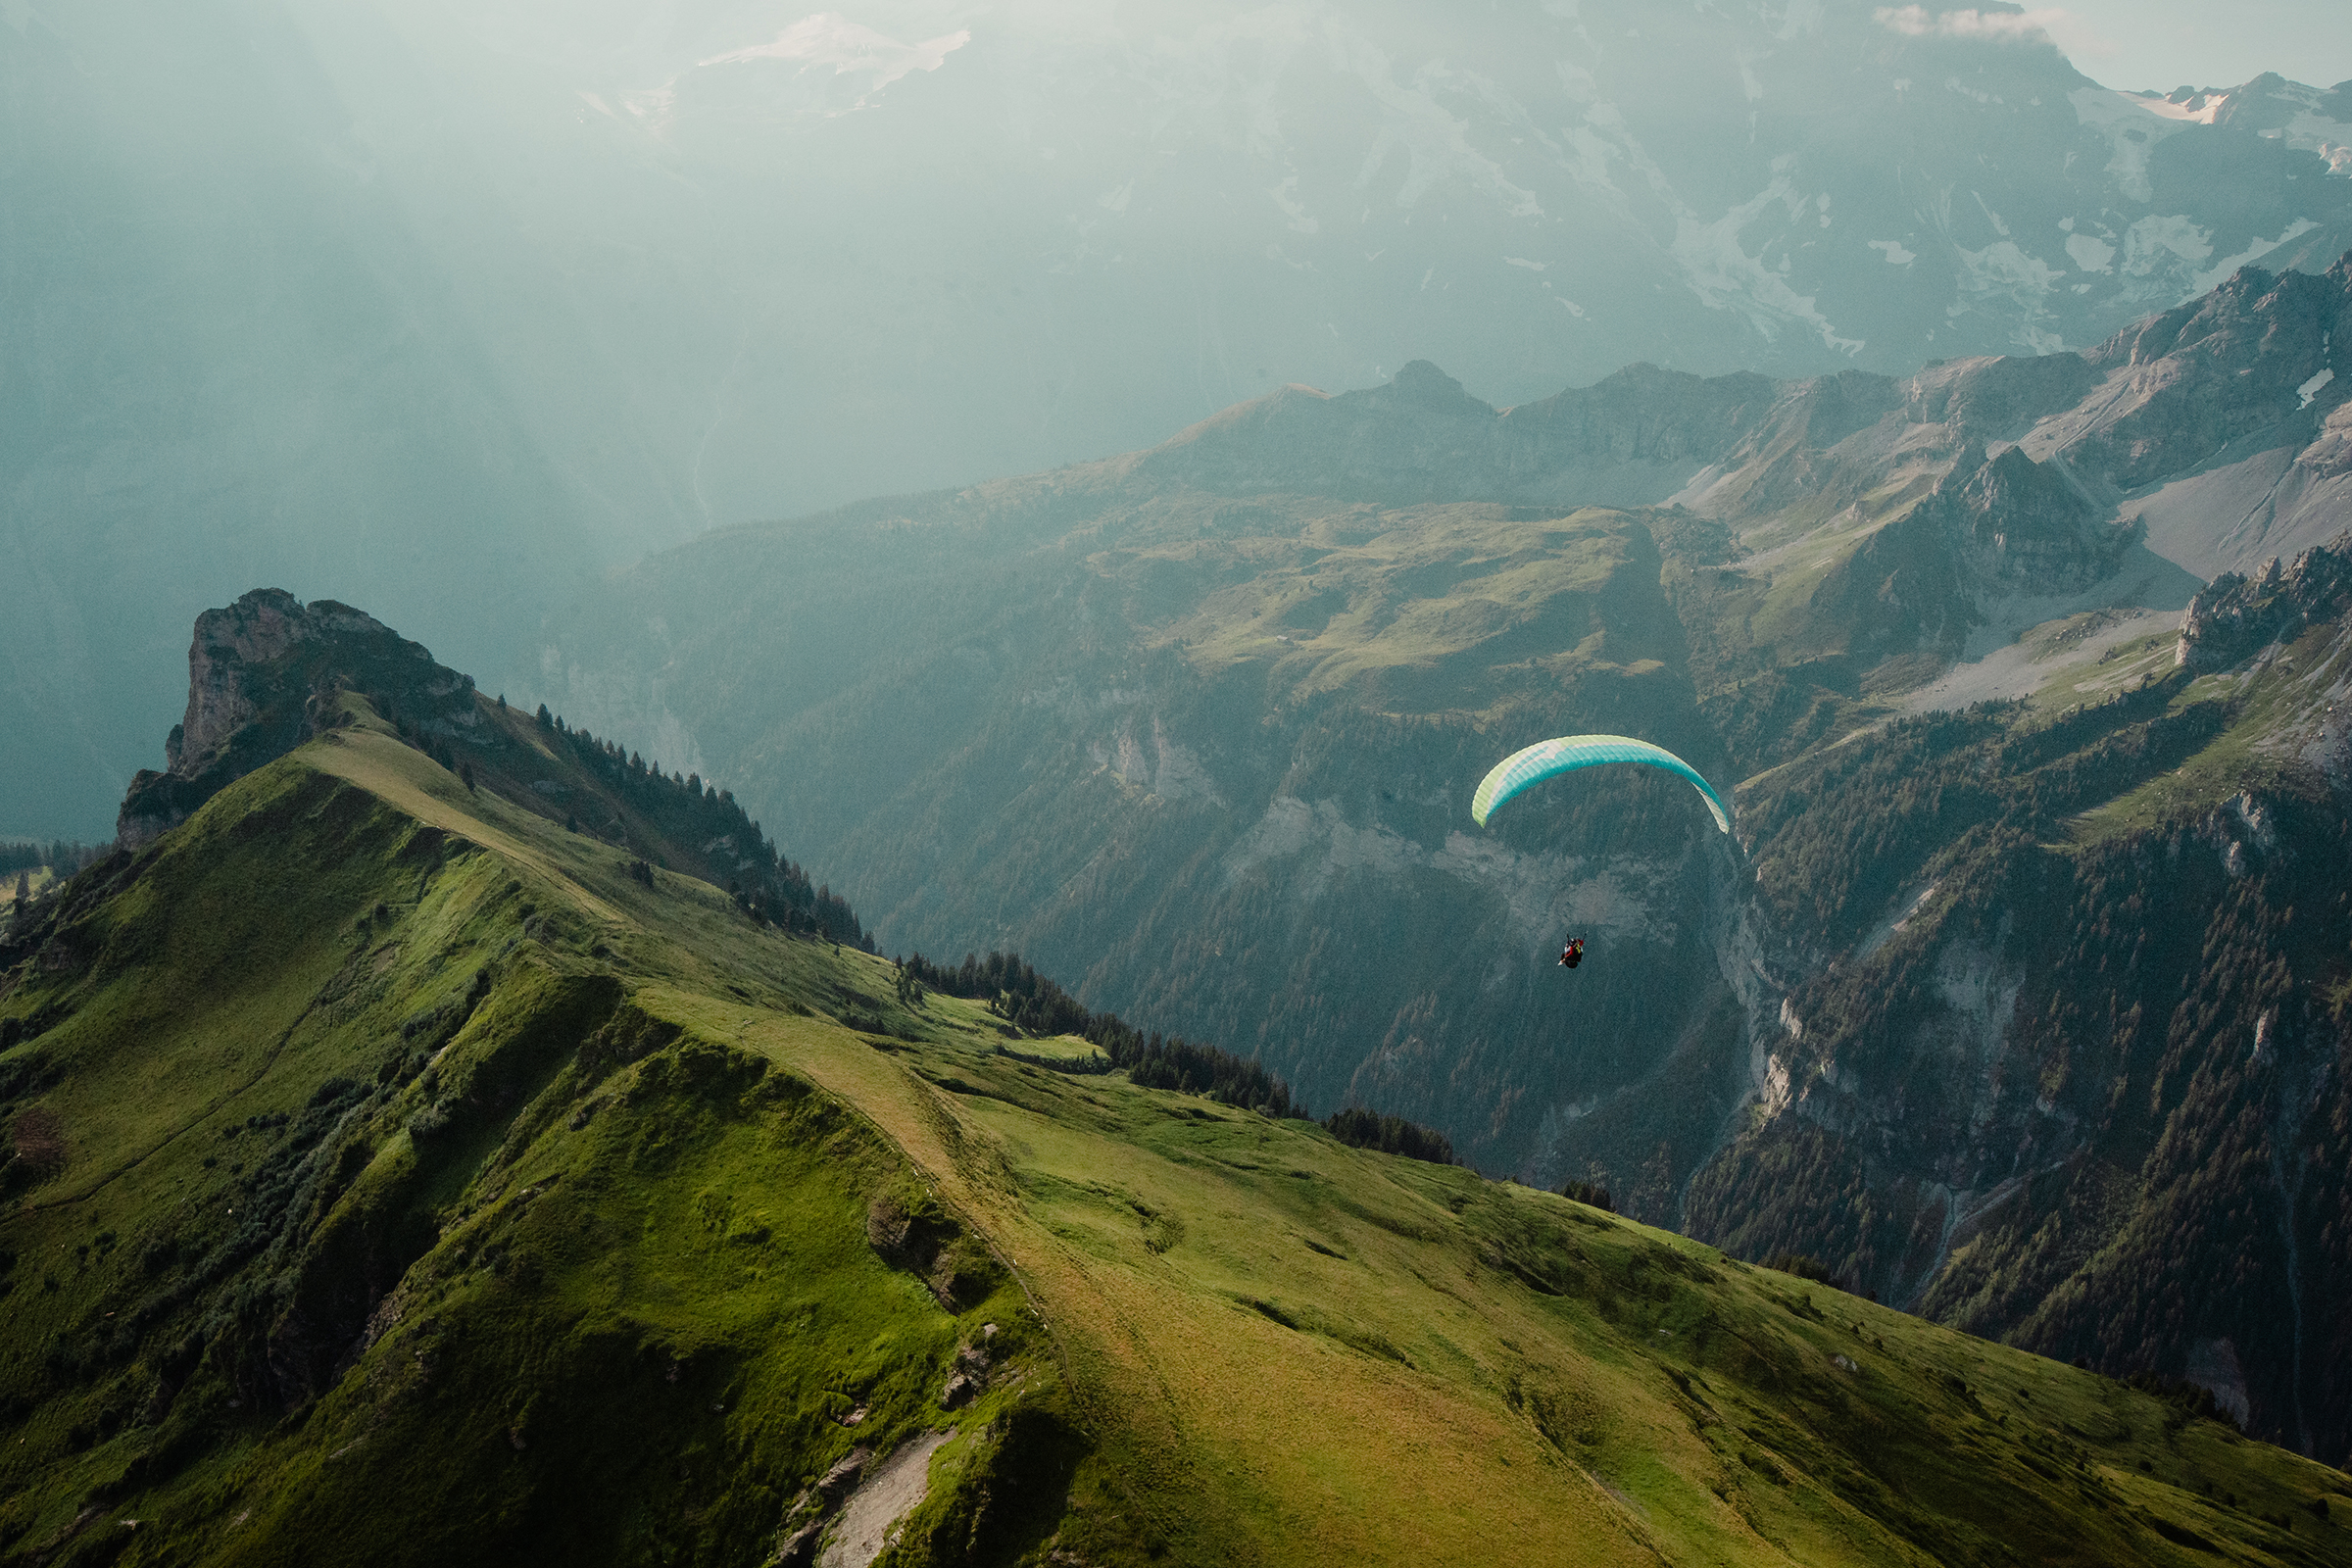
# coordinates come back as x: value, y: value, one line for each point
x: 1572, y: 954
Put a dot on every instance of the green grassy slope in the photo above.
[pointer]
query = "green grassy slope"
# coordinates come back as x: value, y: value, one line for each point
x: 419, y: 1186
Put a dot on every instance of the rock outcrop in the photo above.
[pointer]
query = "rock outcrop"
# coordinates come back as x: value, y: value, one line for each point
x: 2020, y: 524
x: 259, y: 673
x: 2236, y: 616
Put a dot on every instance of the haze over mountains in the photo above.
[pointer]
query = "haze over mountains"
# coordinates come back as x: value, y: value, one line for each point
x: 350, y: 294
x: 1954, y: 463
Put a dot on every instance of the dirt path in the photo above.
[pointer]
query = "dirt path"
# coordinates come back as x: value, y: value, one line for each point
x: 888, y: 1496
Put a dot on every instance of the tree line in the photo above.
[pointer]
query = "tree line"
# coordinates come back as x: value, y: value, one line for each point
x: 65, y: 856
x: 765, y: 885
x: 1038, y: 1006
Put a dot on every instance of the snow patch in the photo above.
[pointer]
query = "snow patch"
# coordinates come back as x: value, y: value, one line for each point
x: 1725, y: 277
x: 850, y: 49
x: 2001, y: 273
x: 2090, y: 254
x: 2226, y: 267
x: 1285, y: 196
x: 2150, y: 241
x: 1436, y: 142
x: 1801, y: 17
x: 1894, y: 251
x: 2133, y: 126
x: 2311, y: 388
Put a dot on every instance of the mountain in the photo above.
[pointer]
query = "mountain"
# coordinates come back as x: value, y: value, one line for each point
x: 333, y: 295
x: 1197, y: 726
x: 939, y: 241
x: 398, y: 1173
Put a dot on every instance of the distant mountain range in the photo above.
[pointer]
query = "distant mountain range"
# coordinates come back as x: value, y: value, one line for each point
x: 1196, y: 728
x: 341, y: 297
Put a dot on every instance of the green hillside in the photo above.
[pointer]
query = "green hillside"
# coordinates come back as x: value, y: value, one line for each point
x: 399, y: 1174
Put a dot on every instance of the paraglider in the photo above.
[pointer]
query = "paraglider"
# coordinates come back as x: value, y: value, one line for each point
x: 1572, y: 954
x: 1544, y: 759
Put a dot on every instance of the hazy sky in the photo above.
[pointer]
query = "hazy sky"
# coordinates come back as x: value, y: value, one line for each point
x: 2136, y: 44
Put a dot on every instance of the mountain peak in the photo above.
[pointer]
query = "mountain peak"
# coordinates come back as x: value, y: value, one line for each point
x: 257, y: 669
x: 1423, y: 383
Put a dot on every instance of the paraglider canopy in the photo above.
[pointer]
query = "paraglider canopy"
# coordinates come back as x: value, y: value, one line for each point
x: 1567, y: 754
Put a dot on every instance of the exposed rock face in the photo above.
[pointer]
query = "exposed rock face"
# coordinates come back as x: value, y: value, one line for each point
x: 2018, y: 521
x: 257, y: 672
x: 2234, y: 616
x: 2214, y: 371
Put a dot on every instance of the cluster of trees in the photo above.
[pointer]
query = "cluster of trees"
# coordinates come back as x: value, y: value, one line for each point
x: 18, y: 861
x: 767, y: 886
x: 1012, y: 989
x: 1038, y: 1006
x: 1391, y: 1135
x: 65, y: 856
x: 1177, y: 1063
x: 1838, y: 838
x: 1591, y: 1194
x: 1805, y: 1266
x: 416, y: 735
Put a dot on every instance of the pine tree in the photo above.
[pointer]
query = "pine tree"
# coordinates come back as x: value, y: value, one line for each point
x: 547, y: 720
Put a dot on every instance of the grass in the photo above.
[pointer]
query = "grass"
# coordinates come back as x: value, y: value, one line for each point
x: 36, y: 880
x: 1421, y: 587
x: 573, y: 1260
x: 2272, y: 705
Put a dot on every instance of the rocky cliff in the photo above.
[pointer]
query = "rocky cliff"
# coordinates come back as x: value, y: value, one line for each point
x: 260, y: 673
x: 2234, y: 616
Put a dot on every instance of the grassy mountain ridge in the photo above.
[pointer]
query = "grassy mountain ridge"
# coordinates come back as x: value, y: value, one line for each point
x: 427, y: 1185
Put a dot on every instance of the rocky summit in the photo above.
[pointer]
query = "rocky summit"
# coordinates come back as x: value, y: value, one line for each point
x: 261, y: 676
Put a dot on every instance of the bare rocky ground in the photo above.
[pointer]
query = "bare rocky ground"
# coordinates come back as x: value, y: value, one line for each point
x: 869, y: 1519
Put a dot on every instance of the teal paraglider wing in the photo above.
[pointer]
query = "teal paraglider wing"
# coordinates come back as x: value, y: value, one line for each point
x: 1547, y: 758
